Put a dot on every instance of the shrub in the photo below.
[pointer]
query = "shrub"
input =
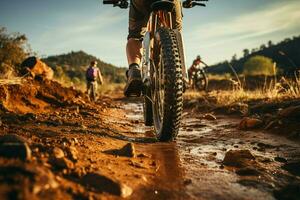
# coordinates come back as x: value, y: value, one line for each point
x: 259, y: 65
x: 13, y: 50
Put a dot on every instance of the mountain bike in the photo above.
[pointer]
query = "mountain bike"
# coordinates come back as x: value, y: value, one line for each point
x: 200, y: 79
x: 163, y: 68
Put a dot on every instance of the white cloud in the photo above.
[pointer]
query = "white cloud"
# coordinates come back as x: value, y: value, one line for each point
x: 273, y: 19
x: 220, y: 40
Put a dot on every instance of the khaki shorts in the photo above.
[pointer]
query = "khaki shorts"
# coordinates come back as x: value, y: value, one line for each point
x: 139, y: 13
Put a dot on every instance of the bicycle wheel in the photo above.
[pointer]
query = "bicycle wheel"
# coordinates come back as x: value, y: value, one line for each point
x: 168, y: 85
x: 200, y: 81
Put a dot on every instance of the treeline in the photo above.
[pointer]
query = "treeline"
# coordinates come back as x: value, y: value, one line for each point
x: 286, y: 54
x: 74, y: 64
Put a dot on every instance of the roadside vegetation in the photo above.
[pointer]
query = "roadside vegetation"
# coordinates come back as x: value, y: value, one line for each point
x: 69, y: 69
x: 14, y: 48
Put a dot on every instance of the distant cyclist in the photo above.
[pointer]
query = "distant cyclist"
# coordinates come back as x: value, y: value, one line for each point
x: 194, y: 67
x: 93, y: 74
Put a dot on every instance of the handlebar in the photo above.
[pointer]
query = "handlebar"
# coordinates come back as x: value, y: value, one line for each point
x: 124, y: 3
x: 120, y: 3
x: 193, y: 3
x: 108, y: 2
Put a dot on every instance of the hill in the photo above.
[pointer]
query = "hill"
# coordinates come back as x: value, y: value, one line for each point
x: 73, y: 65
x: 285, y: 54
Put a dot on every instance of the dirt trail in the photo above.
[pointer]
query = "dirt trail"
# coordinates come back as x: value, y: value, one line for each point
x: 73, y: 149
x: 195, y: 161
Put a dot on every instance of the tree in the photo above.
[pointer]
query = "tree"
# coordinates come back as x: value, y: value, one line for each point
x: 13, y: 49
x: 262, y: 47
x: 258, y: 65
x: 234, y: 58
x: 246, y: 53
x: 270, y: 43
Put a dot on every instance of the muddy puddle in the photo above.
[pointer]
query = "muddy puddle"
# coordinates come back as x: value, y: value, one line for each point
x: 193, y: 167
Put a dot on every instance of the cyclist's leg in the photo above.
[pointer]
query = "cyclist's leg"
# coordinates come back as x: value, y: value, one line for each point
x: 138, y: 18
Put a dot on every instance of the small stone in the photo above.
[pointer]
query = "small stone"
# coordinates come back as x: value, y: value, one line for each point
x: 63, y: 163
x: 290, y: 112
x: 72, y: 151
x: 237, y: 158
x: 58, y: 152
x: 250, y: 123
x: 102, y: 183
x: 128, y: 151
x: 14, y: 146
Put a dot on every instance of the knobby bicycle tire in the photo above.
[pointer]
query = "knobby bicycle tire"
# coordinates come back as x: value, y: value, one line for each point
x: 167, y: 125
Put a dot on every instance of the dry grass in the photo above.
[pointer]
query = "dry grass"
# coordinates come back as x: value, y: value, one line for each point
x: 272, y: 91
x: 11, y: 81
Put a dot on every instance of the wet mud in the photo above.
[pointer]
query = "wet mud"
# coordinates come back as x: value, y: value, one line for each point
x: 263, y: 165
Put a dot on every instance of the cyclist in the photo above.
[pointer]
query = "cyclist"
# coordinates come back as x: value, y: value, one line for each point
x: 139, y: 13
x: 194, y: 67
x: 92, y: 75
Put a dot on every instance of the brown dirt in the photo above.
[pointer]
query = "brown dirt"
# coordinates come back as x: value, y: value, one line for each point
x: 83, y: 150
x: 48, y: 115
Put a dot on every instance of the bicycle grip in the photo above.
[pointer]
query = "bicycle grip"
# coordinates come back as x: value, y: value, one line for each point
x: 109, y: 1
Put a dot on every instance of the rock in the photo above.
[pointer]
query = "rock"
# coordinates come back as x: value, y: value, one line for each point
x: 128, y: 151
x: 250, y: 123
x: 248, y: 171
x: 238, y: 158
x: 209, y: 117
x: 73, y: 153
x: 25, y: 180
x: 58, y: 153
x: 238, y: 108
x: 83, y: 126
x: 14, y: 146
x: 36, y: 67
x: 100, y: 183
x: 290, y: 112
x: 62, y: 163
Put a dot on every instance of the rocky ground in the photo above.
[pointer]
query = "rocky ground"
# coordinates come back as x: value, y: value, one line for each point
x: 55, y: 144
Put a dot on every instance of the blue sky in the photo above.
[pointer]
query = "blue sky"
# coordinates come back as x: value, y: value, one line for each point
x: 223, y: 28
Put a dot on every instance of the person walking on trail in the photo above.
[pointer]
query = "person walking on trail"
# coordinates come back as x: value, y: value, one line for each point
x: 139, y: 13
x: 196, y: 64
x: 93, y: 74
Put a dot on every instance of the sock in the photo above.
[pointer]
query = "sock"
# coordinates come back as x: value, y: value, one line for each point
x: 134, y: 65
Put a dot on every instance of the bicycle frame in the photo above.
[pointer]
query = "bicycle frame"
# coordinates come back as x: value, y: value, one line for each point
x: 159, y: 18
